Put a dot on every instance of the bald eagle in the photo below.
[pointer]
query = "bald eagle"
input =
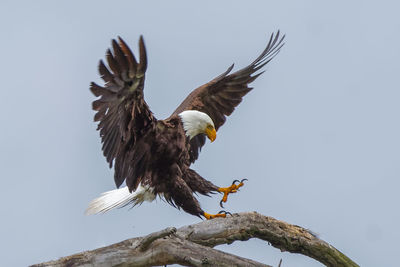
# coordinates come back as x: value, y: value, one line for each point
x: 152, y: 156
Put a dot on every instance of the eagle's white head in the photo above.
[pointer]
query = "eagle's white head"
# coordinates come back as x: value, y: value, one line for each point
x: 196, y: 122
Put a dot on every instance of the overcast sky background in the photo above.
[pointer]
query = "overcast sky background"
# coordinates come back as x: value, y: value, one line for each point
x: 318, y: 138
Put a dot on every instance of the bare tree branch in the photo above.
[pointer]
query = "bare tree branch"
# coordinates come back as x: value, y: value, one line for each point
x: 284, y: 236
x: 192, y: 245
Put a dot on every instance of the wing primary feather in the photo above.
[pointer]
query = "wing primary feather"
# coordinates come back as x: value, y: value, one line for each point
x: 112, y: 62
x: 266, y: 56
x: 272, y: 48
x: 130, y: 57
x: 258, y: 67
x: 225, y: 73
x: 105, y: 74
x: 97, y: 90
x: 143, y: 57
x: 120, y: 59
x: 99, y: 115
x: 109, y: 145
x: 97, y: 104
x: 252, y: 78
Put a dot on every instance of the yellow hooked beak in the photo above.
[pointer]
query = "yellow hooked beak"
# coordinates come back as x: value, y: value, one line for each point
x: 211, y: 133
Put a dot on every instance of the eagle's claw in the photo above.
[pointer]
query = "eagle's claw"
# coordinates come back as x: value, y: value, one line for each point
x: 225, y: 212
x: 222, y: 214
x: 241, y: 181
x: 231, y: 189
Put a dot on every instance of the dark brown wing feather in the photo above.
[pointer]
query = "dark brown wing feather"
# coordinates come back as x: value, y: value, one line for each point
x: 122, y: 113
x: 219, y: 97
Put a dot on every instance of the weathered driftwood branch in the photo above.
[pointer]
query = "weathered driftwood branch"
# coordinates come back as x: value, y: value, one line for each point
x: 192, y: 245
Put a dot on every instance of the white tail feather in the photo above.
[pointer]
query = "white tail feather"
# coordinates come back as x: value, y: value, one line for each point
x: 119, y: 198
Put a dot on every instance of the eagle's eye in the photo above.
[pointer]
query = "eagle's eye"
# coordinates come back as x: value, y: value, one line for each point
x: 210, y: 127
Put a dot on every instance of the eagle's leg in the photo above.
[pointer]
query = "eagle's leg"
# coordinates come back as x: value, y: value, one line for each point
x: 230, y: 189
x: 222, y: 214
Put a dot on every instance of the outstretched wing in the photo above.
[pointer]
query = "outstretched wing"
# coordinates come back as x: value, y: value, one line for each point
x: 122, y: 113
x: 219, y: 97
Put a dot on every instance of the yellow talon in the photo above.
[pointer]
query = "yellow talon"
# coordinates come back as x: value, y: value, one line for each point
x: 222, y: 214
x: 231, y: 189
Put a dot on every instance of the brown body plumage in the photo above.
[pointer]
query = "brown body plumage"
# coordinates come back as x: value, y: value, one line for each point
x: 157, y: 154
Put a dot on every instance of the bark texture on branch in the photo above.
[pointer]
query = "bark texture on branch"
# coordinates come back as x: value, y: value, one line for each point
x: 193, y: 245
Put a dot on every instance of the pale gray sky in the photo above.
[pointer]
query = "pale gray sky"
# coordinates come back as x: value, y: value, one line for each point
x: 318, y: 138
